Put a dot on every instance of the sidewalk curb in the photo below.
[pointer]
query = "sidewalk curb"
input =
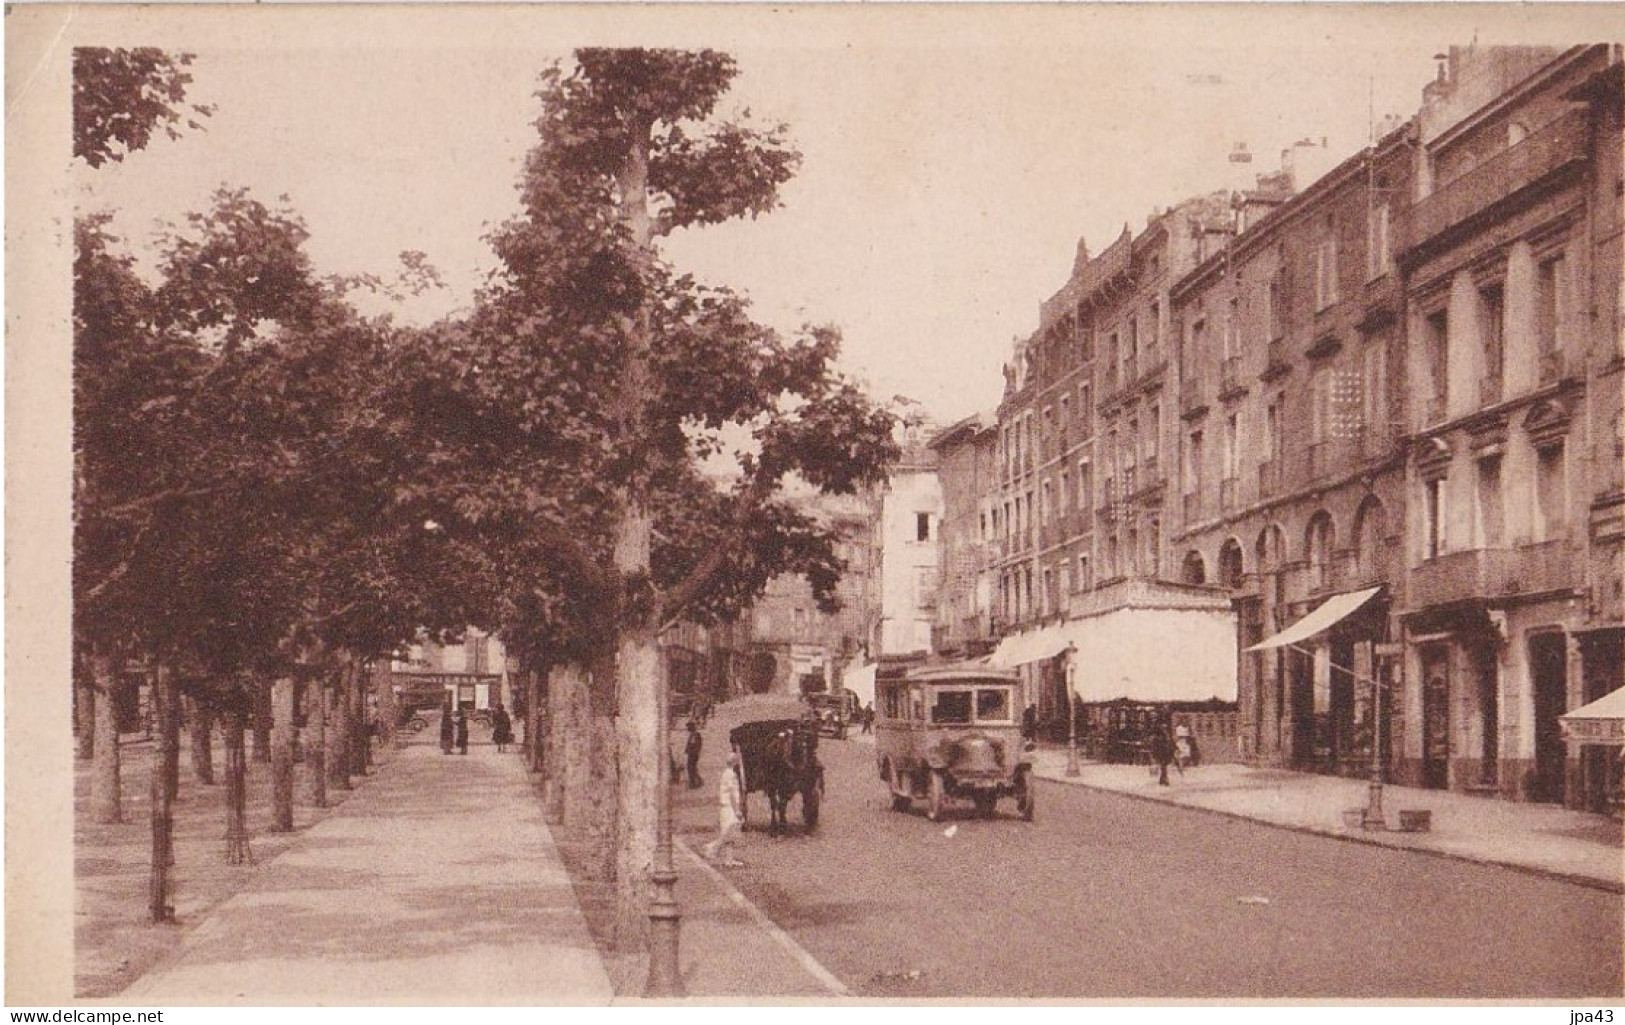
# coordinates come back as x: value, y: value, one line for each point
x: 1591, y: 882
x: 760, y: 918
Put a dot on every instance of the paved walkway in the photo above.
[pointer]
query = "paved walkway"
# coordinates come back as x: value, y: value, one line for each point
x: 438, y: 883
x: 1582, y: 847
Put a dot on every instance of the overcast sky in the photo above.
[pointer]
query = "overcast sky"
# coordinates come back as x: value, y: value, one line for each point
x: 947, y: 175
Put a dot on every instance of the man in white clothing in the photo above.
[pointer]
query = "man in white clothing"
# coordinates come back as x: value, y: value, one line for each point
x: 730, y: 815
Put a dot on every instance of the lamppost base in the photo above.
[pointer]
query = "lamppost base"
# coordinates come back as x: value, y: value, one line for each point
x: 1072, y: 766
x: 665, y: 974
x: 1374, y: 817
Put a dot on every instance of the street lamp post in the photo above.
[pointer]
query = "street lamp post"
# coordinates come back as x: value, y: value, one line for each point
x: 1373, y: 808
x: 1072, y: 767
x: 665, y: 976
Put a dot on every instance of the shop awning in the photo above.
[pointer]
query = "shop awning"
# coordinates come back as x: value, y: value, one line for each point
x: 1031, y: 646
x: 1331, y: 611
x: 1155, y: 655
x: 1601, y: 722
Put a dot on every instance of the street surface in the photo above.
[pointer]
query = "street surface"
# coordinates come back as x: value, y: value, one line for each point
x: 1107, y: 897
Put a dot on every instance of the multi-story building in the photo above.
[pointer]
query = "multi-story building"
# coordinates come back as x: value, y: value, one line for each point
x: 966, y: 469
x: 1085, y: 428
x: 1391, y: 408
x: 1290, y: 474
x: 1510, y: 262
x: 906, y: 556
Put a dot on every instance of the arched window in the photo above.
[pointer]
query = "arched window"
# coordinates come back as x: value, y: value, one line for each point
x: 1318, y: 543
x: 1230, y: 565
x: 1194, y: 570
x: 1370, y: 528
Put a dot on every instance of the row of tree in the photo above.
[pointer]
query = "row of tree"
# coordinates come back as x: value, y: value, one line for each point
x: 271, y: 487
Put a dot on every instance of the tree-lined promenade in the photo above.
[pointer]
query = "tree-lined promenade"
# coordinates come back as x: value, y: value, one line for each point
x: 273, y: 491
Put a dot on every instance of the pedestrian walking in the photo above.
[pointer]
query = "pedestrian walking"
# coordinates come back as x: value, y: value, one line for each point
x: 462, y: 732
x: 447, y: 730
x: 730, y: 815
x: 1184, y: 747
x: 869, y: 717
x: 1029, y: 724
x: 501, y: 729
x: 692, y: 750
x: 1162, y: 750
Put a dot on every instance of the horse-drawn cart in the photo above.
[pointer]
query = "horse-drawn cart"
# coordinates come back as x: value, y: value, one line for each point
x: 779, y: 757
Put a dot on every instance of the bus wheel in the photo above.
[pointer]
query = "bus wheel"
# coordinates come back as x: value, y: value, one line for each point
x: 935, y: 797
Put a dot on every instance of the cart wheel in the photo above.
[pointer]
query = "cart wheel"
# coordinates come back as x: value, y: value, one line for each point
x: 900, y: 799
x: 934, y: 798
x: 809, y: 807
x: 987, y: 805
x: 1024, y: 798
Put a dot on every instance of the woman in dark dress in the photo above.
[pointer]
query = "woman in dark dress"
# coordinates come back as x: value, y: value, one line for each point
x: 501, y: 729
x: 447, y: 730
x: 462, y: 732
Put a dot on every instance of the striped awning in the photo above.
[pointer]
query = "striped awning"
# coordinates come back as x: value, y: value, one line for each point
x: 1330, y: 612
x: 1031, y: 646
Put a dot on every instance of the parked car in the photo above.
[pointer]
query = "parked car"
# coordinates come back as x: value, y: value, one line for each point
x: 952, y: 732
x: 834, y: 711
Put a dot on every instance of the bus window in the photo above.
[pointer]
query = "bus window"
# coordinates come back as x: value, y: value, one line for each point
x: 993, y: 705
x: 916, y: 704
x: 952, y: 707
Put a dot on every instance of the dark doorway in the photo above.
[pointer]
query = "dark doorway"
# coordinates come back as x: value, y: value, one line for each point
x: 1302, y: 709
x: 1436, y: 718
x: 1489, y: 710
x: 763, y: 669
x: 1344, y: 746
x: 1603, y: 655
x: 1548, y: 665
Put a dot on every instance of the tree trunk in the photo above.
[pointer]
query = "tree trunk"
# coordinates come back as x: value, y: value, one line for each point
x: 316, y: 747
x: 282, y: 755
x: 170, y: 745
x: 356, y: 729
x: 165, y: 703
x: 641, y: 756
x: 575, y: 747
x: 104, y: 780
x: 338, y: 742
x: 538, y: 748
x: 364, y: 717
x: 201, y: 730
x: 84, y: 713
x: 237, y: 852
x: 262, y: 722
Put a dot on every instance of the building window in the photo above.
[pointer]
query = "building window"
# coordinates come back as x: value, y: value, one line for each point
x: 1491, y: 517
x: 1232, y: 329
x: 1153, y: 334
x: 1549, y: 282
x: 1381, y: 257
x: 1374, y: 410
x: 1083, y: 402
x: 1064, y: 494
x: 1320, y: 408
x: 1193, y: 464
x: 1232, y: 446
x: 1320, y: 552
x: 1274, y: 307
x: 1085, y: 486
x: 922, y: 526
x: 1047, y: 499
x: 1326, y: 267
x: 1437, y: 340
x: 1492, y: 320
x: 1066, y: 410
x: 1153, y: 431
x: 1551, y: 492
x: 1086, y: 343
x: 1272, y: 432
x: 1433, y: 514
x: 1085, y: 579
x: 1153, y: 550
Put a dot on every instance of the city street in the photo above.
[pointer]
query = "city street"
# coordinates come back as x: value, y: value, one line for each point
x: 1106, y: 897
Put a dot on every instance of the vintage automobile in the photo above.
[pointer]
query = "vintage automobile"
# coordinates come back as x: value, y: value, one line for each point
x: 835, y: 711
x: 953, y: 732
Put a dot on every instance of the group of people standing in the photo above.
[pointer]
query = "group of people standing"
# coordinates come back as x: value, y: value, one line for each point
x: 454, y: 729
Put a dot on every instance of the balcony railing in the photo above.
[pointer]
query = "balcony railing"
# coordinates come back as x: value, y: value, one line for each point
x: 1493, y: 573
x: 1554, y: 147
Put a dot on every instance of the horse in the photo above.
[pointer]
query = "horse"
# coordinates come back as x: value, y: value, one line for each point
x: 780, y: 758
